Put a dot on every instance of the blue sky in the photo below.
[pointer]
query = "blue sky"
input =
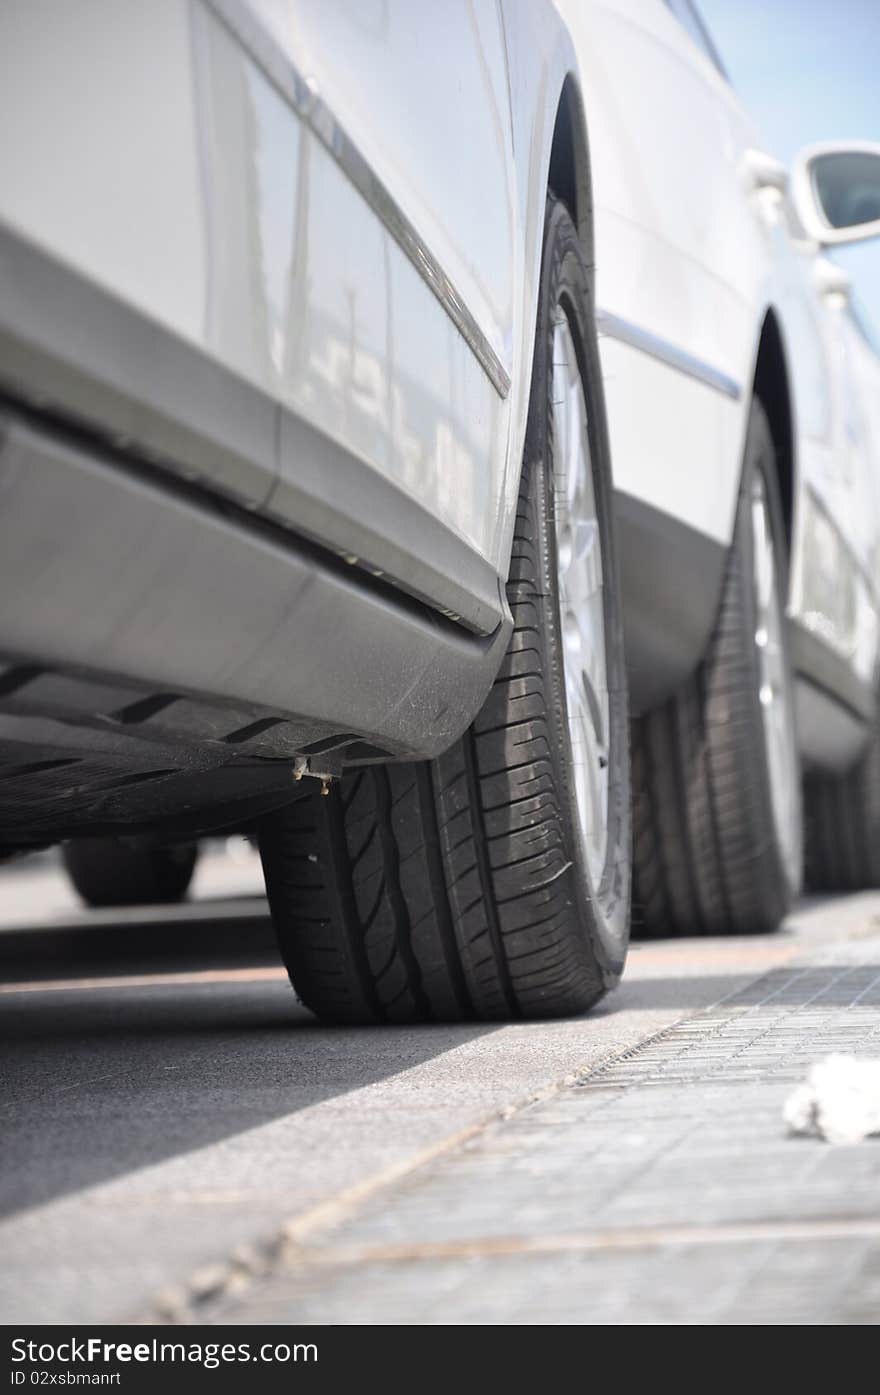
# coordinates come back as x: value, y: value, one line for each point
x: 808, y: 70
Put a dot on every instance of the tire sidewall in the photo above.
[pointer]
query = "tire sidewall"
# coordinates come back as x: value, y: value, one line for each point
x: 566, y: 288
x: 759, y: 459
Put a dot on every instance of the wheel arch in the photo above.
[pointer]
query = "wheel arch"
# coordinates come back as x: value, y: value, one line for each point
x: 568, y: 174
x: 771, y: 385
x: 550, y: 132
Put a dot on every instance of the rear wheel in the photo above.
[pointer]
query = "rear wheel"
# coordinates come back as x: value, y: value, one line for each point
x: 107, y: 872
x: 493, y: 882
x: 716, y: 777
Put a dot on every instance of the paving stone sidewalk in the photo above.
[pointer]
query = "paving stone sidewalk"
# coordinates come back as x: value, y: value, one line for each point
x: 660, y: 1188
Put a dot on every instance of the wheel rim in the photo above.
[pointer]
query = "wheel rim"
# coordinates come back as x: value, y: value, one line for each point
x: 774, y: 688
x: 581, y: 602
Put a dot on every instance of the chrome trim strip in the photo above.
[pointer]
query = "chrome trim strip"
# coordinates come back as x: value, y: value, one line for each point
x: 303, y: 96
x: 648, y: 343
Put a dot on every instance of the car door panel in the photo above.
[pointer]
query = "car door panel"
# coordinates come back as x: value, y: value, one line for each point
x: 353, y: 303
x: 694, y: 249
x: 369, y: 352
x: 669, y: 235
x: 109, y: 254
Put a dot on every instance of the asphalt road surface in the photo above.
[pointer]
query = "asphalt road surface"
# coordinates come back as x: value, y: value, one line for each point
x: 181, y: 1140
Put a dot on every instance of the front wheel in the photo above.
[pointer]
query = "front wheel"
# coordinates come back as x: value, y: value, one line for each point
x: 494, y: 882
x: 716, y: 773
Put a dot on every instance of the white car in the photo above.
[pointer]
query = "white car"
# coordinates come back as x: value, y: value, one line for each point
x: 307, y: 513
x: 743, y: 402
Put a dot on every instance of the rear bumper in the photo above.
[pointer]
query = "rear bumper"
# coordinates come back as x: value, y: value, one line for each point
x: 121, y: 576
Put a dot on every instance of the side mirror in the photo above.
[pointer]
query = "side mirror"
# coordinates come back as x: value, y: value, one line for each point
x: 836, y: 190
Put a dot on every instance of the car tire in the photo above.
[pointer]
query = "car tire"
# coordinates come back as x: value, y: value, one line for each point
x: 106, y: 872
x: 842, y: 816
x: 462, y: 888
x: 717, y: 821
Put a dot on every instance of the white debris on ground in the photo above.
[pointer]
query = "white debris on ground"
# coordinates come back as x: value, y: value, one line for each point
x: 839, y: 1102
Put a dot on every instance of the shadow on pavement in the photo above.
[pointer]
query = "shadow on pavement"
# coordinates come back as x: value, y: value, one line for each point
x: 203, y: 935
x: 101, y: 1081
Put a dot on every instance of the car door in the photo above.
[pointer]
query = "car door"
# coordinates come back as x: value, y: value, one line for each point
x: 295, y: 238
x: 684, y: 256
x: 388, y: 251
x: 695, y: 243
x: 673, y: 236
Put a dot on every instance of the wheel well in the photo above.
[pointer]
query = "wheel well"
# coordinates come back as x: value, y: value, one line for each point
x: 771, y: 387
x: 569, y: 174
